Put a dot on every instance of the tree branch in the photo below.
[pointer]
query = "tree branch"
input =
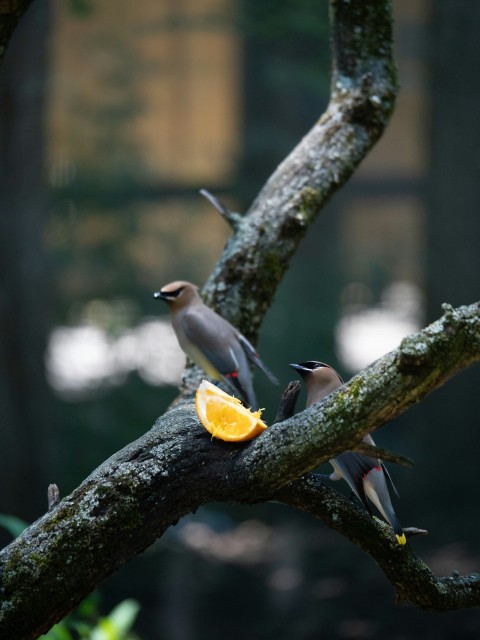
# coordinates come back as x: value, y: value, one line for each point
x: 174, y: 468
x: 363, y: 91
x: 412, y: 579
x: 372, y: 398
x: 231, y: 217
x: 382, y: 453
x: 286, y: 409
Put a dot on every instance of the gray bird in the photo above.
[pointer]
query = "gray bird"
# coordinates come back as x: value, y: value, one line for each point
x: 366, y: 476
x: 212, y: 342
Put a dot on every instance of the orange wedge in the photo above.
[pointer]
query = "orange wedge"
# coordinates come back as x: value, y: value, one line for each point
x: 224, y: 416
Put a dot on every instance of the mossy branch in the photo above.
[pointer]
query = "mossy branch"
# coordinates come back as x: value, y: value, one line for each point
x: 133, y: 497
x: 363, y: 92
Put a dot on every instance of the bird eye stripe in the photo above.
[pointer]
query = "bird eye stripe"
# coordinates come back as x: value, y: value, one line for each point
x: 173, y: 294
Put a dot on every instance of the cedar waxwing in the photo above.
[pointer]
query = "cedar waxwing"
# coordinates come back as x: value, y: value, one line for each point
x: 212, y: 342
x: 366, y: 476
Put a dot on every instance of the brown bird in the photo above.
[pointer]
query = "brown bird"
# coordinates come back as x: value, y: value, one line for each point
x: 366, y: 476
x: 211, y: 341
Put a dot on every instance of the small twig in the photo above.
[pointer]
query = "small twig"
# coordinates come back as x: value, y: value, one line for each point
x: 286, y: 407
x: 53, y: 495
x: 383, y: 454
x: 410, y: 532
x: 232, y: 217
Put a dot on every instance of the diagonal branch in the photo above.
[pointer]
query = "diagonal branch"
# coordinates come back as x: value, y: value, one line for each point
x: 232, y: 217
x: 363, y: 91
x: 378, y: 394
x: 382, y: 453
x: 134, y: 496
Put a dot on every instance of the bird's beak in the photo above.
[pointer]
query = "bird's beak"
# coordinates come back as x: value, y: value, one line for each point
x: 158, y: 295
x: 298, y: 367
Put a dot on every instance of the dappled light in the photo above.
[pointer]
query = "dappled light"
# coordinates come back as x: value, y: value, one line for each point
x: 366, y: 332
x: 82, y: 359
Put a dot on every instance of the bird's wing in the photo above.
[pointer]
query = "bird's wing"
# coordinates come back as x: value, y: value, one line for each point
x: 354, y: 467
x: 253, y: 356
x: 210, y: 335
x: 369, y: 440
x: 389, y: 478
x: 375, y: 487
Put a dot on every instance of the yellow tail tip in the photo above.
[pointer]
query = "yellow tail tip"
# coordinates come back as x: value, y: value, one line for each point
x: 401, y: 539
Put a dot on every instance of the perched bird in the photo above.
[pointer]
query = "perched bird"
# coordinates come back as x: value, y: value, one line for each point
x: 366, y: 476
x: 212, y: 342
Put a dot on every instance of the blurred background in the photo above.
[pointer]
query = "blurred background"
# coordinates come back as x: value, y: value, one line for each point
x: 112, y: 116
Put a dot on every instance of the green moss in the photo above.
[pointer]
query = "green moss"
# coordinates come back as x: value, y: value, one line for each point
x: 310, y: 200
x: 13, y: 563
x: 271, y: 269
x: 356, y: 387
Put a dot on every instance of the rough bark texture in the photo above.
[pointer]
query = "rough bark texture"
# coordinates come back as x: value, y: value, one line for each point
x: 363, y: 91
x: 134, y: 496
x: 173, y: 469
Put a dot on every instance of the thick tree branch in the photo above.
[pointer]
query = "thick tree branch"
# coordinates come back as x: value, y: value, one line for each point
x: 173, y: 469
x: 363, y: 91
x: 372, y: 398
x: 286, y: 410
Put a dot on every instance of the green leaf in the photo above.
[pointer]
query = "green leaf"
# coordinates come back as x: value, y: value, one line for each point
x: 12, y: 524
x: 117, y: 625
x: 58, y: 632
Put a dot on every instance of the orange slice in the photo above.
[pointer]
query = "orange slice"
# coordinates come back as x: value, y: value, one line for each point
x: 224, y: 416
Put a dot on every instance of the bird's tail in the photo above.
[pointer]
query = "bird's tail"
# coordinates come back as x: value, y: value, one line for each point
x: 253, y: 356
x: 377, y: 491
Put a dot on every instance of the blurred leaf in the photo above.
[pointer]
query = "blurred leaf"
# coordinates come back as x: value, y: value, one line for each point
x: 117, y: 625
x: 80, y: 624
x: 58, y: 632
x: 82, y: 629
x: 12, y: 524
x: 89, y: 607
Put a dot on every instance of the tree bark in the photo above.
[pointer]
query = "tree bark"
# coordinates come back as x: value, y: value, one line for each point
x: 363, y: 92
x: 134, y: 496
